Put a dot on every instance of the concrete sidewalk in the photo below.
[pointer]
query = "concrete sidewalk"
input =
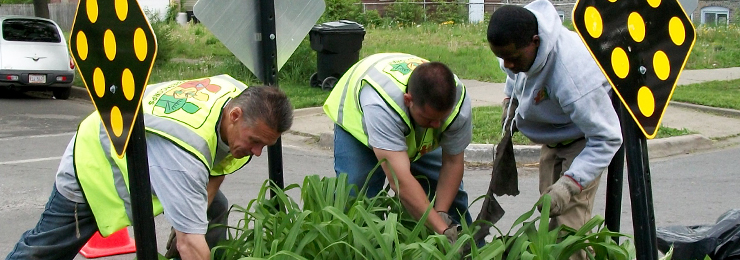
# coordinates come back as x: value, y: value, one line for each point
x: 715, y: 127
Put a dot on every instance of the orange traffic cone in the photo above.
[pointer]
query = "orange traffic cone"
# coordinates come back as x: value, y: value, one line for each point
x: 115, y: 244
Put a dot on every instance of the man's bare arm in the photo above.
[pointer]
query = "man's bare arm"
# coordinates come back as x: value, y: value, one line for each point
x: 409, y: 190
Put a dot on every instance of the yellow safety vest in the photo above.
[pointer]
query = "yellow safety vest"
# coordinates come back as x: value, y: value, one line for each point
x: 185, y: 112
x: 388, y: 74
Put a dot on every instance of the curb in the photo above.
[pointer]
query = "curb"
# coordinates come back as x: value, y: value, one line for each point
x: 529, y: 154
x: 79, y: 93
x: 707, y: 109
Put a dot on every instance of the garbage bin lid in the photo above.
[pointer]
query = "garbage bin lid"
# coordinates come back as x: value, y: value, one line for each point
x: 340, y: 26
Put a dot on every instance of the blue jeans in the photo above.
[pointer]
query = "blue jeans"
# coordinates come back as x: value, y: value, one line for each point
x: 55, y: 235
x: 357, y: 160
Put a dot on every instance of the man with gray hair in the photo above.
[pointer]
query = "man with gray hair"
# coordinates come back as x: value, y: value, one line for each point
x: 197, y: 132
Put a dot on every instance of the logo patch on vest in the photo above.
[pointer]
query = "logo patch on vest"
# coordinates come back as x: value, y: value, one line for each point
x: 401, y: 69
x: 177, y: 98
x: 542, y: 95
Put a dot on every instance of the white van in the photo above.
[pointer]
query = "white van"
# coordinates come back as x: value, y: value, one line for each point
x: 34, y: 56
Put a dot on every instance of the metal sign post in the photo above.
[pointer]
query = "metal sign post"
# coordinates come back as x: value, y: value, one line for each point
x: 641, y: 47
x: 263, y: 40
x: 114, y: 48
x: 269, y: 68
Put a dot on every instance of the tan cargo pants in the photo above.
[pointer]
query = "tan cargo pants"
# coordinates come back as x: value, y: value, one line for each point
x: 553, y: 163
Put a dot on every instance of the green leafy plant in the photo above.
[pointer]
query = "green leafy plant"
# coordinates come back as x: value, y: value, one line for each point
x: 331, y: 224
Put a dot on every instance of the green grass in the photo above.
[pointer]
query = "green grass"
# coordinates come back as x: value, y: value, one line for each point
x: 724, y: 94
x: 715, y: 47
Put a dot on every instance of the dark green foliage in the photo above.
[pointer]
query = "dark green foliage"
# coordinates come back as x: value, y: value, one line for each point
x: 444, y: 11
x: 406, y: 12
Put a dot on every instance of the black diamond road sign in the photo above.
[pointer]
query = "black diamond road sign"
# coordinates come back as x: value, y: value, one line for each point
x: 642, y: 47
x: 114, y: 48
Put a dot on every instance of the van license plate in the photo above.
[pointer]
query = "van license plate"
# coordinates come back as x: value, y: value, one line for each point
x: 36, y: 78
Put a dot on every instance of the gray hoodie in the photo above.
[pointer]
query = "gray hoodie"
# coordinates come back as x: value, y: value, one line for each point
x: 565, y: 96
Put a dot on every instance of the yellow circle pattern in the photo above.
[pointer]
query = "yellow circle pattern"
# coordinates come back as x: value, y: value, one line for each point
x: 646, y: 101
x: 92, y: 10
x: 121, y: 9
x: 677, y: 31
x: 654, y: 3
x: 636, y: 26
x: 594, y: 24
x: 109, y: 44
x: 99, y: 82
x: 620, y: 63
x: 662, y: 65
x: 127, y: 80
x: 140, y: 45
x: 82, y: 47
x: 613, y: 1
x: 116, y: 121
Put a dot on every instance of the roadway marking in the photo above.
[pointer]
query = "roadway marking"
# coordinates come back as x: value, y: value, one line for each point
x: 31, y: 160
x: 34, y: 159
x: 35, y: 136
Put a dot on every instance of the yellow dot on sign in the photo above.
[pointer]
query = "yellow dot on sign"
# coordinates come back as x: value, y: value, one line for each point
x: 127, y: 80
x: 636, y: 26
x: 645, y: 101
x: 662, y: 65
x: 116, y: 121
x: 654, y: 3
x: 620, y: 63
x: 140, y: 46
x: 92, y: 10
x: 594, y: 25
x: 677, y: 31
x: 613, y: 1
x: 121, y: 9
x: 109, y: 43
x: 99, y: 82
x: 82, y: 45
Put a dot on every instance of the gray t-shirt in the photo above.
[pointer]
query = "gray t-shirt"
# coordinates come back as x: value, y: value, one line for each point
x: 177, y: 177
x: 385, y: 128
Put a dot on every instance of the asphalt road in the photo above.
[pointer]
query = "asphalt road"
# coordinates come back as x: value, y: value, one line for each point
x: 34, y: 130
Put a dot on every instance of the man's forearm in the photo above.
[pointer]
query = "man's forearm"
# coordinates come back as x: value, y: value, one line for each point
x: 450, y: 177
x: 192, y: 246
x: 412, y: 195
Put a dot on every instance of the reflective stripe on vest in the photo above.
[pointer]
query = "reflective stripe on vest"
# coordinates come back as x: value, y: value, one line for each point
x: 388, y: 74
x: 103, y: 177
x: 187, y: 114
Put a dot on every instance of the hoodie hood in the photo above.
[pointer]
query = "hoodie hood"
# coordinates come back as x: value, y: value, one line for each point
x: 549, y: 28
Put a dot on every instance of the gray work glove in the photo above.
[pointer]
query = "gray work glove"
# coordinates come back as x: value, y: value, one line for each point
x: 560, y: 193
x: 508, y: 113
x: 452, y: 232
x: 172, y: 246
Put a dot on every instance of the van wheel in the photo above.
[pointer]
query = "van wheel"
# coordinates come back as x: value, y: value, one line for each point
x: 62, y: 93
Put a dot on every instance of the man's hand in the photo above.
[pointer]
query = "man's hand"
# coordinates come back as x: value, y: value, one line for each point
x: 508, y: 106
x: 560, y: 193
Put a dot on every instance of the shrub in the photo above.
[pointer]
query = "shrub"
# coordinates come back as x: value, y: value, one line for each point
x: 406, y: 12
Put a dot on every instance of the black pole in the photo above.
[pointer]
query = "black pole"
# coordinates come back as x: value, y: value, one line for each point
x: 614, y: 182
x: 635, y: 146
x: 269, y: 62
x: 649, y: 192
x: 141, y: 192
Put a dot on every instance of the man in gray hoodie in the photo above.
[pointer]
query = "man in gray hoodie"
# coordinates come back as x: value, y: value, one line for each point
x: 563, y: 103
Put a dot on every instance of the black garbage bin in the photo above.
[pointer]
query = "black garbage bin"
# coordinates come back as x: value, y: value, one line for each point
x: 338, y: 45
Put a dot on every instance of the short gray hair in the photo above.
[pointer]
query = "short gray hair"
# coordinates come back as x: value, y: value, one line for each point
x: 267, y: 104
